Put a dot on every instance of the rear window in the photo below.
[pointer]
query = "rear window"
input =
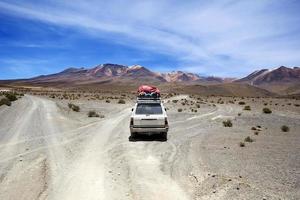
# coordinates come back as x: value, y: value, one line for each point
x: 148, y: 109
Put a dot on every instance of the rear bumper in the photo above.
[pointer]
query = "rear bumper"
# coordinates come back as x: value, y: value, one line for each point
x: 147, y: 130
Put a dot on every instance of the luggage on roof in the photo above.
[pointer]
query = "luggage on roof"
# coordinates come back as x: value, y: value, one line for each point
x: 146, y: 91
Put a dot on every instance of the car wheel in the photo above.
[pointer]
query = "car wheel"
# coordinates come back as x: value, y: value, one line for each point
x: 164, y: 136
x: 132, y: 137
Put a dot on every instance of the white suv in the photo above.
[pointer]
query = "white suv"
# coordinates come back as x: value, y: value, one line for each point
x: 149, y: 117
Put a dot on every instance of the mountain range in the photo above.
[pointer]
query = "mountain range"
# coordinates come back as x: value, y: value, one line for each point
x: 115, y: 72
x: 283, y: 80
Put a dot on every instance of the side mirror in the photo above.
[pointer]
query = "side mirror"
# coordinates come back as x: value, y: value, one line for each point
x: 131, y: 109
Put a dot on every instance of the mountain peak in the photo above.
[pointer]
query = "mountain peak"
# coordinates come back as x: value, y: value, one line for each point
x: 281, y: 75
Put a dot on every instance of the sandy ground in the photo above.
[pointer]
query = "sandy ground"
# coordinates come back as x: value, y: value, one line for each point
x: 48, y: 151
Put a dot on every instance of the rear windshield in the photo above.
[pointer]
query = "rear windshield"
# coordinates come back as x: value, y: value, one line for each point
x: 148, y: 109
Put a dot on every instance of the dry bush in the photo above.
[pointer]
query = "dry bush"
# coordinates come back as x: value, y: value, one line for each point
x: 247, y: 108
x: 248, y: 139
x: 242, y: 144
x: 74, y: 107
x: 5, y: 101
x: 93, y: 113
x: 242, y: 103
x: 179, y: 110
x: 121, y: 101
x: 11, y: 96
x: 285, y: 128
x: 227, y: 123
x: 267, y: 110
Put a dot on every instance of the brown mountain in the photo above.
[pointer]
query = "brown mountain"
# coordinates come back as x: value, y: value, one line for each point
x: 277, y: 80
x: 179, y: 76
x: 108, y: 77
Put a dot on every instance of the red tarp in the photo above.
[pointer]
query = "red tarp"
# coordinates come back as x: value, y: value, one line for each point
x: 148, y: 89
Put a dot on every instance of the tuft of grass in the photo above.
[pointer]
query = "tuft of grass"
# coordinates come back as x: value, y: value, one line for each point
x: 267, y: 110
x: 5, y: 101
x: 179, y: 110
x: 74, y: 107
x: 242, y: 144
x: 93, y: 113
x: 285, y: 128
x: 248, y: 139
x: 11, y: 96
x: 227, y: 123
x: 242, y: 103
x: 121, y: 101
x: 247, y: 108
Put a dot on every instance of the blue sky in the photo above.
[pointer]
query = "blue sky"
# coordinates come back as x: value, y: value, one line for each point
x: 221, y: 38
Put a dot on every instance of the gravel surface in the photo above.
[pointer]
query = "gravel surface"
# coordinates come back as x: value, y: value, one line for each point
x: 48, y: 151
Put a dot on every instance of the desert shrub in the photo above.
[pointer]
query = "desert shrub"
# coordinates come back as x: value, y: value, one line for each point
x: 242, y: 144
x: 248, y: 139
x: 74, y: 107
x: 227, y: 123
x: 174, y: 100
x: 239, y: 114
x: 242, y: 103
x: 11, y: 96
x: 121, y: 101
x: 107, y: 101
x: 198, y: 106
x: 285, y: 128
x: 92, y: 113
x: 247, y: 108
x: 5, y: 101
x: 256, y: 133
x: 267, y: 110
x: 265, y: 104
x: 179, y: 110
x: 253, y: 128
x: 297, y: 105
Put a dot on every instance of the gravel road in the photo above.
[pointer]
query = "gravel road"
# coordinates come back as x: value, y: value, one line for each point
x: 46, y: 153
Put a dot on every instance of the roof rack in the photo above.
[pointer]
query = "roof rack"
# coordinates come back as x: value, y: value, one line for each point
x: 148, y: 100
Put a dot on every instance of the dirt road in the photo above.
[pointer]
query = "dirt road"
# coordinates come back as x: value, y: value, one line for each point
x: 46, y: 154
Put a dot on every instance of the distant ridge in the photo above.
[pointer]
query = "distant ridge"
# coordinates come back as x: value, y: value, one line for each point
x: 276, y: 80
x: 283, y: 80
x: 116, y: 72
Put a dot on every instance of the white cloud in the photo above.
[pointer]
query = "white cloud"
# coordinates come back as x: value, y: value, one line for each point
x: 249, y: 33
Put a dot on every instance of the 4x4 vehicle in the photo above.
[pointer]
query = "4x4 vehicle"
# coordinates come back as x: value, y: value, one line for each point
x: 149, y: 117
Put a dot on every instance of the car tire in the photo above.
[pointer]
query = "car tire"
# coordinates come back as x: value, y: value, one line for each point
x: 132, y: 137
x: 164, y: 136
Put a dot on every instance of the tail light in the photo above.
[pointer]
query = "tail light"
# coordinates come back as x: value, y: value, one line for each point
x: 131, y: 121
x: 166, y: 122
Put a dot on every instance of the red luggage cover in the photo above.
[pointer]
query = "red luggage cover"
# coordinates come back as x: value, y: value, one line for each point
x: 148, y: 89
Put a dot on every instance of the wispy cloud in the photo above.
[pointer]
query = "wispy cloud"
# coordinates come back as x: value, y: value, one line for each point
x: 215, y: 37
